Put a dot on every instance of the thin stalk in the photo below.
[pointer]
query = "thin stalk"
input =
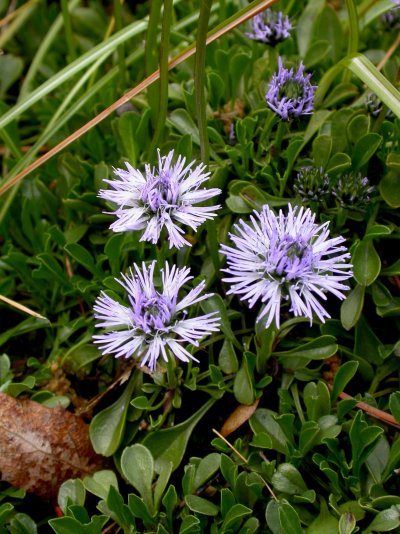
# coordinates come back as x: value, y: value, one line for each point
x: 164, y: 69
x: 151, y: 56
x: 199, y: 79
x: 242, y: 16
x: 352, y: 45
x: 121, y: 47
x: 68, y: 30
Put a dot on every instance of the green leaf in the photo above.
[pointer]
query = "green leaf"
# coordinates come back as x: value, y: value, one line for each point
x: 345, y: 373
x: 234, y: 516
x: 306, y: 23
x: 351, y: 308
x: 357, y: 127
x: 71, y: 492
x: 385, y: 521
x: 243, y: 387
x: 317, y: 400
x: 362, y: 67
x: 289, y: 518
x: 201, y: 506
x: 363, y: 438
x: 325, y: 522
x: 100, y: 482
x: 127, y: 125
x: 366, y: 263
x: 227, y: 359
x: 287, y: 479
x: 184, y: 123
x: 322, y: 147
x: 137, y: 466
x: 11, y: 68
x: 169, y: 445
x: 318, y: 349
x: 215, y: 303
x: 389, y: 188
x: 364, y: 149
x: 107, y: 427
x: 394, y: 405
x: 338, y: 163
x: 207, y: 467
x: 317, y: 53
x: 83, y: 257
x: 190, y: 525
x: 264, y: 420
x: 70, y: 525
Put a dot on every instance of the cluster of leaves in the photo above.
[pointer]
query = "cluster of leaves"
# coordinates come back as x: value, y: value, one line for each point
x: 303, y: 456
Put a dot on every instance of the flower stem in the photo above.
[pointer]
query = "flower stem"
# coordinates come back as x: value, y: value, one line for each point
x: 199, y: 78
x: 121, y: 46
x: 163, y: 95
x: 68, y: 30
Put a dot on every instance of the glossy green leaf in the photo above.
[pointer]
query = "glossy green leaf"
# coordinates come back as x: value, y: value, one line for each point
x: 345, y: 373
x: 318, y: 349
x: 169, y: 444
x: 325, y: 522
x: 389, y: 188
x: 385, y: 521
x: 365, y: 148
x: 107, y: 427
x: 322, y: 148
x: 394, y: 405
x: 351, y: 308
x: 99, y: 483
x: 207, y: 467
x: 137, y: 466
x: 366, y: 263
x: 287, y: 479
x: 71, y: 492
x: 201, y: 506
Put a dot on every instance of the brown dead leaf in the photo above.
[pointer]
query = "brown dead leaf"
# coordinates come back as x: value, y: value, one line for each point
x: 239, y: 416
x: 41, y: 447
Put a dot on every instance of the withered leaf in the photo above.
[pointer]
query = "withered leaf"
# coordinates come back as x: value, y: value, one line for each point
x: 239, y: 416
x: 41, y: 447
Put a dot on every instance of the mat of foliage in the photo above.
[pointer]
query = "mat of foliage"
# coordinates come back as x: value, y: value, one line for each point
x: 284, y: 416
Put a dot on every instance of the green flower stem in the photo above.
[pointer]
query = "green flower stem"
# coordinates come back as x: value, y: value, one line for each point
x: 163, y: 95
x: 121, y: 46
x: 266, y: 132
x: 151, y: 56
x: 199, y: 78
x: 68, y: 30
x: 352, y: 45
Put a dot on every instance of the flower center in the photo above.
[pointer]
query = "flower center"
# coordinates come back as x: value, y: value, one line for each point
x: 160, y: 192
x: 291, y: 90
x: 289, y: 258
x: 153, y: 313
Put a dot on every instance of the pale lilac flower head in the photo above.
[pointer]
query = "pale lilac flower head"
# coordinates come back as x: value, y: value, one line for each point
x: 277, y: 258
x: 290, y: 94
x: 165, y: 197
x: 270, y: 27
x: 155, y: 323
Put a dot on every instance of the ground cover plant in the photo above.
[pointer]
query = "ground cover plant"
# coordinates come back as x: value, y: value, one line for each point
x: 199, y: 287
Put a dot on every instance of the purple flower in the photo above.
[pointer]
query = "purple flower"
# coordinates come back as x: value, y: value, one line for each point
x: 290, y: 94
x: 162, y: 198
x: 155, y: 323
x: 286, y: 257
x: 270, y: 27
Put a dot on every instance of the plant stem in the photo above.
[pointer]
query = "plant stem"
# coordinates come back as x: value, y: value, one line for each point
x: 68, y: 30
x: 163, y: 96
x: 121, y: 46
x: 199, y: 78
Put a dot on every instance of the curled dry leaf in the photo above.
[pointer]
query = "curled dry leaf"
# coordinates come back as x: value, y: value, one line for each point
x: 239, y: 416
x: 41, y: 447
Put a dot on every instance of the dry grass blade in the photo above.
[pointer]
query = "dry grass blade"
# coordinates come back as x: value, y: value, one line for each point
x: 22, y: 308
x: 212, y: 36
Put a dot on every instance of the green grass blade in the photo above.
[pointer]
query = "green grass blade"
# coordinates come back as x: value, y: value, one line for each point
x: 370, y: 75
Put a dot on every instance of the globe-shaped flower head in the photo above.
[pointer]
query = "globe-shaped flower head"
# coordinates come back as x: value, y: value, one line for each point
x: 270, y: 27
x: 286, y: 257
x: 162, y: 198
x: 290, y: 94
x: 155, y: 324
